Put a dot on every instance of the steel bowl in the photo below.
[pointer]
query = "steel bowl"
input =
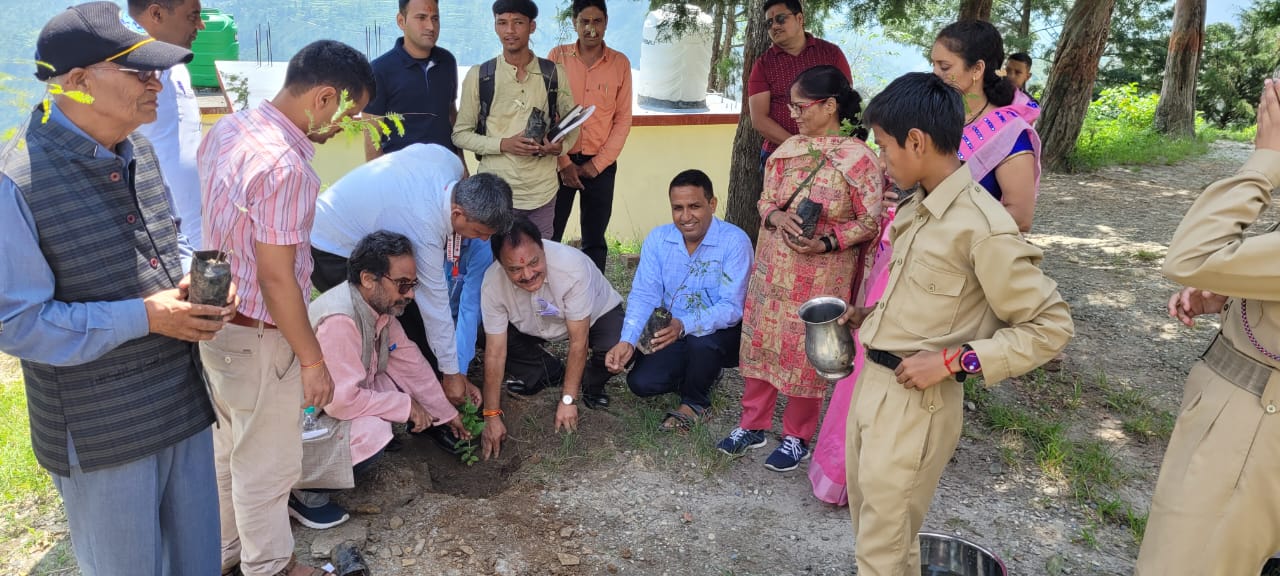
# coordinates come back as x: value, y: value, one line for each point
x: 945, y: 555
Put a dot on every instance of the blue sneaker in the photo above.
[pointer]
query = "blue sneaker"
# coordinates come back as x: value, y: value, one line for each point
x: 788, y: 456
x: 320, y: 517
x: 741, y: 440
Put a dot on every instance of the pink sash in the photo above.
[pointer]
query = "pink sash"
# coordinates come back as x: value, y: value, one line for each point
x: 990, y: 139
x: 826, y: 469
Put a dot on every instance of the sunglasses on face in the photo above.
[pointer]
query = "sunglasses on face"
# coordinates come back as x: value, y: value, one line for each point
x: 779, y: 19
x: 143, y: 76
x: 403, y: 285
x: 798, y: 107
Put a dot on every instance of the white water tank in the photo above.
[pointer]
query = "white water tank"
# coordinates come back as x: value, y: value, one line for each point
x: 675, y: 64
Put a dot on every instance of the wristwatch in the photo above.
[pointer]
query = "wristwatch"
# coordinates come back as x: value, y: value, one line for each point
x: 567, y: 400
x: 969, y: 360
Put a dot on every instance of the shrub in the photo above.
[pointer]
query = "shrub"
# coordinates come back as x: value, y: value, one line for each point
x: 1119, y: 129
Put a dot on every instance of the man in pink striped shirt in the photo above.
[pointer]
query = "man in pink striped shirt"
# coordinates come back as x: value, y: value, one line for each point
x: 259, y: 193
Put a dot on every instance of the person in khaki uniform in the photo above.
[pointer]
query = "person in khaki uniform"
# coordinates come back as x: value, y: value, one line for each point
x: 965, y: 296
x: 1216, y: 508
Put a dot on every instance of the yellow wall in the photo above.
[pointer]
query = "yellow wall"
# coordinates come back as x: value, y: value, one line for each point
x: 652, y: 156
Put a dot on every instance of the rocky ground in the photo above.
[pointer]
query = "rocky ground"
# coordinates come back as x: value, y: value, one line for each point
x: 618, y: 497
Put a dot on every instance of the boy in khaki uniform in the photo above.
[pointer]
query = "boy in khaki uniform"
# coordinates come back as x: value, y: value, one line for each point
x: 1216, y: 508
x: 965, y: 296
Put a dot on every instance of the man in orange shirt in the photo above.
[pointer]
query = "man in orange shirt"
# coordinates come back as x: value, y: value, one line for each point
x: 600, y: 77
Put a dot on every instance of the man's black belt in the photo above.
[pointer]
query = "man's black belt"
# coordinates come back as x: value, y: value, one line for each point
x: 892, y: 361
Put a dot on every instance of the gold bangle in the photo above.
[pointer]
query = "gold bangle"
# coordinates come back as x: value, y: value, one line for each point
x: 494, y: 412
x: 314, y: 364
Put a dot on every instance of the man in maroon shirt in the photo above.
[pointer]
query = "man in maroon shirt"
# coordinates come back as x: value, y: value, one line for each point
x: 769, y: 86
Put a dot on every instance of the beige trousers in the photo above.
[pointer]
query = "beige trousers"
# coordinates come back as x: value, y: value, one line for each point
x: 1216, y: 508
x: 898, y: 442
x: 257, y: 444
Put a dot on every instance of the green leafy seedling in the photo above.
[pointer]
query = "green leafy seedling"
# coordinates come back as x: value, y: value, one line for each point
x: 474, y: 424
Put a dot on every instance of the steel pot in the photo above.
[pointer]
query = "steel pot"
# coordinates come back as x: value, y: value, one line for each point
x: 828, y: 345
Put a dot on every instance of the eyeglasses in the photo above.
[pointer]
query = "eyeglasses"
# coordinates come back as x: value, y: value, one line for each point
x: 404, y: 286
x: 779, y: 19
x: 797, y: 109
x: 143, y: 76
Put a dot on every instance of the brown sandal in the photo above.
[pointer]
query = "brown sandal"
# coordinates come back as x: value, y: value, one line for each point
x: 293, y: 568
x: 677, y: 421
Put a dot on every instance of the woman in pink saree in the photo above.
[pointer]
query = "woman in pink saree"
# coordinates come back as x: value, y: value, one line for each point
x: 999, y: 144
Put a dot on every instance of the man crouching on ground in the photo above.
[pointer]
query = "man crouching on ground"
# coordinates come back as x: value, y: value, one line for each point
x: 379, y: 375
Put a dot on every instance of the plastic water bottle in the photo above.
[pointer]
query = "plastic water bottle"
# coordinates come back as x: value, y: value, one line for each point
x: 311, y: 425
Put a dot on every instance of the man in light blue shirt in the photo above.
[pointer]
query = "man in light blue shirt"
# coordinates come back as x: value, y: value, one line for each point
x: 697, y: 269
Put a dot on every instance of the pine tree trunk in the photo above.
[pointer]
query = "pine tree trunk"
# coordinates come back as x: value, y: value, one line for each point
x: 1024, y: 25
x: 975, y: 10
x: 714, y: 81
x: 1070, y: 87
x: 1176, y: 112
x: 745, y: 177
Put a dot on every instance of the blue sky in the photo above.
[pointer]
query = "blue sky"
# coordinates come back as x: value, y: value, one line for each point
x: 1225, y: 10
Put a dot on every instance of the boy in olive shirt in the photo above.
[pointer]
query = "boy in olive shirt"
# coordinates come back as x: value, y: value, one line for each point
x: 965, y: 296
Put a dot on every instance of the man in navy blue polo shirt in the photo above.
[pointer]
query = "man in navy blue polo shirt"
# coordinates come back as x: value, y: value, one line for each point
x: 418, y: 79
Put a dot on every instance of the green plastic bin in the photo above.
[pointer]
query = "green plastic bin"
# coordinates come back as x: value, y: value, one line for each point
x: 216, y: 42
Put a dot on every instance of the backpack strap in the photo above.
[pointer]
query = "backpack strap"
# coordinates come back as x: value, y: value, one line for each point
x: 487, y: 72
x: 552, y: 82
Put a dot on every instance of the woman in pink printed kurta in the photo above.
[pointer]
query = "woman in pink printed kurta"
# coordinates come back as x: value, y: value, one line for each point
x: 841, y: 174
x: 373, y: 400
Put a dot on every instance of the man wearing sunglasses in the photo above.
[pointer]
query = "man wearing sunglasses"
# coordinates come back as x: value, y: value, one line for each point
x: 418, y: 191
x: 93, y: 301
x: 769, y: 86
x: 379, y: 377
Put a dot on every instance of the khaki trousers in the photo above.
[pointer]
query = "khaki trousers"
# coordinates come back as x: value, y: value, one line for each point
x: 257, y: 393
x: 898, y: 442
x: 1216, y: 508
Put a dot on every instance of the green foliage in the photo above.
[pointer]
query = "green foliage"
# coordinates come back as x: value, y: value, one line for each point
x: 21, y: 477
x: 1234, y: 65
x: 916, y: 22
x: 474, y: 423
x: 1246, y: 134
x: 1137, y: 45
x: 1118, y: 129
x: 238, y: 86
x: 375, y: 127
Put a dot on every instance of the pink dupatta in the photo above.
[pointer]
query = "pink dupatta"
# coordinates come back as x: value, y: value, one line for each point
x: 990, y: 139
x: 827, y: 468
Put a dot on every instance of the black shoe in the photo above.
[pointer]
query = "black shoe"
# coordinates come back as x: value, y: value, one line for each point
x: 445, y: 438
x: 596, y: 401
x: 523, y: 389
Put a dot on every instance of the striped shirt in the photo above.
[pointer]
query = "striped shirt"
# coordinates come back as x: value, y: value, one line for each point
x: 257, y: 184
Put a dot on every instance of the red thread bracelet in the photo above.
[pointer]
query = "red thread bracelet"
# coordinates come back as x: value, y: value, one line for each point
x: 946, y: 362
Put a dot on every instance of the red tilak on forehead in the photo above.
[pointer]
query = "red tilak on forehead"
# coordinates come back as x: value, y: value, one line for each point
x: 522, y: 259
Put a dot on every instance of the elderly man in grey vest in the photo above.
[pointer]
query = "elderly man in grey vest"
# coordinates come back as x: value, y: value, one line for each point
x: 93, y: 301
x: 379, y: 375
